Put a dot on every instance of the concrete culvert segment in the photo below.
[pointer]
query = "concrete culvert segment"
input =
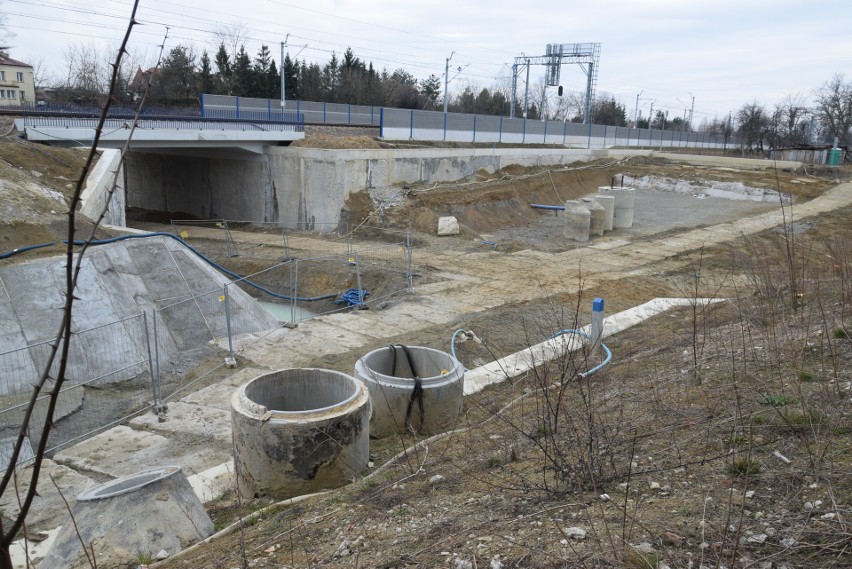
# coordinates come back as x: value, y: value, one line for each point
x: 392, y: 375
x: 299, y: 430
x: 140, y: 514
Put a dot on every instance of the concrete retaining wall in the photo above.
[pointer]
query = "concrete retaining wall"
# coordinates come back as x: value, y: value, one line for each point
x: 96, y: 193
x: 297, y: 185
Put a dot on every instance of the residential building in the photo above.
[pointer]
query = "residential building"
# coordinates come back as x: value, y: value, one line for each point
x: 16, y: 82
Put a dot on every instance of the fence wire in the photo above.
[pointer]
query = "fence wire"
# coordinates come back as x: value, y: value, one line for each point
x: 107, y: 378
x: 122, y: 368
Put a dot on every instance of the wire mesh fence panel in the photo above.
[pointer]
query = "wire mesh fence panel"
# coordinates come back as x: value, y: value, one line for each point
x: 384, y: 270
x: 108, y: 377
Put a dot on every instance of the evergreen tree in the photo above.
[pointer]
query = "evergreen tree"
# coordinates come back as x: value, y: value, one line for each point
x: 224, y: 72
x: 292, y: 77
x: 273, y: 79
x: 242, y: 74
x: 205, y: 74
x: 261, y: 86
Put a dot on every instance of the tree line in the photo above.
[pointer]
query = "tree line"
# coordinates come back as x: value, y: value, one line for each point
x: 183, y: 74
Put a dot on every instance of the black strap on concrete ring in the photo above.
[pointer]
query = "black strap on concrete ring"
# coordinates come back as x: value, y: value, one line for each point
x: 416, y: 393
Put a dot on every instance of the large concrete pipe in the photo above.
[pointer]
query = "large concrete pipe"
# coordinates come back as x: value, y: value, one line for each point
x: 392, y: 375
x: 577, y: 221
x: 598, y: 216
x: 608, y: 203
x: 624, y: 201
x: 145, y: 513
x: 299, y: 430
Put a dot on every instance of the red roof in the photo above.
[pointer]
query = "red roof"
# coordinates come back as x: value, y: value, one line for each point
x: 15, y: 62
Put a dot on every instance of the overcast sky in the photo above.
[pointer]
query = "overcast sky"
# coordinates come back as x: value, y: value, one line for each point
x: 724, y: 52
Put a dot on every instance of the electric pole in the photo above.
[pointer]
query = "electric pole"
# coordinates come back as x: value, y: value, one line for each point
x: 447, y: 80
x: 282, y: 70
x: 636, y: 109
x: 691, y: 111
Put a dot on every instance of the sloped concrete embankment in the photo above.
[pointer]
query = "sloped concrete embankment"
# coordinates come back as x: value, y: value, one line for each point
x: 118, y: 281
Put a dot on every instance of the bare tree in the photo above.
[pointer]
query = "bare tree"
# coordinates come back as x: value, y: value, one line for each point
x: 753, y: 122
x: 232, y: 36
x: 49, y: 385
x: 41, y: 74
x: 834, y: 107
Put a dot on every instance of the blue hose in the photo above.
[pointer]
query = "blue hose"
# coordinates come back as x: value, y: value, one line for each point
x: 14, y: 252
x: 453, y: 341
x: 584, y: 335
x: 209, y: 261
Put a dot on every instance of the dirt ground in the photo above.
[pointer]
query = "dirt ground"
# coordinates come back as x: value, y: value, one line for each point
x: 717, y: 437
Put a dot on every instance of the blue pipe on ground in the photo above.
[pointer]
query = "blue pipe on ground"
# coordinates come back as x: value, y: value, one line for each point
x: 551, y: 207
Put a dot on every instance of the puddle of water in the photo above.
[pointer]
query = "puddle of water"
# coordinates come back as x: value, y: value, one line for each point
x: 284, y: 312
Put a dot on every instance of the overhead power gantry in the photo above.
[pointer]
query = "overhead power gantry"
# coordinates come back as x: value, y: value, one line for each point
x: 586, y: 55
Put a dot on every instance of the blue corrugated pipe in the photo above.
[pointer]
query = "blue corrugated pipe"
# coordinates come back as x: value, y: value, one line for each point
x: 584, y: 335
x: 209, y: 261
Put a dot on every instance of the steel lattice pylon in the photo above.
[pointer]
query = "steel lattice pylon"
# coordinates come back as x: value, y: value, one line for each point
x: 586, y: 55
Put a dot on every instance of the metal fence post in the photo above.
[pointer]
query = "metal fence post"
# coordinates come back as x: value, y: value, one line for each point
x: 382, y: 122
x: 589, y: 144
x: 411, y: 126
x: 500, y: 137
x: 358, y: 281
x: 474, y: 128
x: 349, y: 114
x: 544, y: 139
x: 230, y: 361
x: 154, y: 363
x: 294, y: 279
x: 564, y: 131
x: 445, y: 125
x: 324, y: 120
x: 150, y: 359
x: 238, y: 107
x: 408, y: 252
x: 524, y: 135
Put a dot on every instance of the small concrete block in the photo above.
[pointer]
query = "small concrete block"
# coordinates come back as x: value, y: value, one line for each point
x: 448, y: 226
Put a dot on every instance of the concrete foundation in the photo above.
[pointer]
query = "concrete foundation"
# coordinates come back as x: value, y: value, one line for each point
x: 390, y: 379
x: 142, y: 513
x: 299, y: 430
x: 577, y: 221
x: 96, y: 199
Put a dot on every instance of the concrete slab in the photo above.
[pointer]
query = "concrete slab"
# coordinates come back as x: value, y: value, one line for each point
x: 219, y: 395
x: 48, y: 510
x: 214, y: 482
x: 123, y: 451
x: 367, y: 322
x: 184, y: 420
